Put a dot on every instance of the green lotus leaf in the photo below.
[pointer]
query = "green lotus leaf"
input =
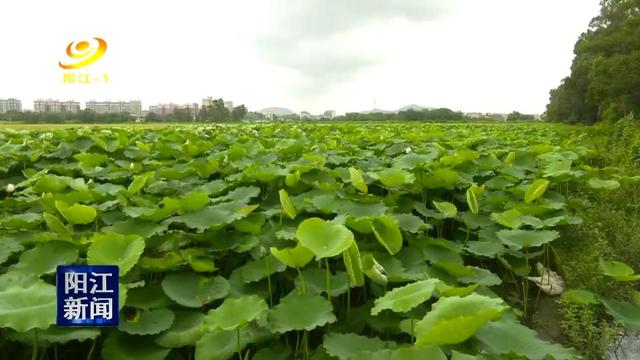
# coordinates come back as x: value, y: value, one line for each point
x: 192, y: 290
x: 57, y: 335
x: 8, y: 246
x: 536, y: 190
x: 199, y: 260
x: 357, y: 181
x: 108, y: 189
x: 45, y: 257
x: 343, y: 346
x: 453, y: 320
x: 77, y: 214
x: 386, y: 231
x: 222, y: 344
x: 441, y: 178
x: 446, y: 290
x: 21, y: 221
x: 508, y: 337
x: 277, y: 352
x: 139, y: 182
x: 353, y: 264
x: 511, y: 218
x: 626, y: 313
x: 580, y: 296
x: 413, y: 160
x: 405, y: 298
x: 235, y: 313
x: 596, y: 183
x: 159, y: 262
x: 25, y: 308
x: 315, y: 282
x: 252, y: 224
x: 411, y: 223
x: 395, y: 177
x: 374, y: 270
x: 447, y: 209
x: 293, y: 313
x: 118, y: 346
x: 91, y: 159
x: 56, y: 225
x: 186, y: 330
x: 472, y: 199
x: 51, y: 184
x: 407, y: 353
x: 324, y: 238
x: 286, y: 204
x: 296, y: 257
x: 618, y: 270
x: 147, y: 322
x: 519, y: 239
x: 115, y: 249
x: 486, y: 248
x: 140, y: 227
x: 259, y: 269
x: 216, y: 216
x: 194, y: 201
x: 148, y: 297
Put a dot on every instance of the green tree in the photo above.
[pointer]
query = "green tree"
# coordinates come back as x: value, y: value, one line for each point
x: 605, y: 74
x: 238, y: 113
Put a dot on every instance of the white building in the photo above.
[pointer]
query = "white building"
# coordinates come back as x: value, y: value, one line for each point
x: 50, y: 105
x: 134, y: 108
x: 166, y: 109
x: 10, y: 105
x: 329, y: 114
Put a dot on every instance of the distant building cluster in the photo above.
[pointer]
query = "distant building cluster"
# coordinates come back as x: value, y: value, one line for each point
x: 167, y: 109
x: 134, y: 108
x: 56, y: 106
x: 10, y: 105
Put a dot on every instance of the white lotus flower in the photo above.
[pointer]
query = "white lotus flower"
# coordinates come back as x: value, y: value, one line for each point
x: 10, y: 188
x: 408, y: 150
x: 549, y: 281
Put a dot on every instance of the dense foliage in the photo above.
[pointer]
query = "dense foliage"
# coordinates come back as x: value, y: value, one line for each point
x: 605, y: 74
x: 345, y: 241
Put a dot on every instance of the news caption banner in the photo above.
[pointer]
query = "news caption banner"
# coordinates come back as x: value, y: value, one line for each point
x: 87, y: 295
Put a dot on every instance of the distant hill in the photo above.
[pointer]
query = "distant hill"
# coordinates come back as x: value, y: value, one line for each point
x: 278, y: 111
x: 414, y: 107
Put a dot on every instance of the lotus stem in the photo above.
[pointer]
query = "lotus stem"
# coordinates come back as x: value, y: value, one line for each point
x: 266, y: 268
x: 34, y: 354
x: 304, y: 284
x: 328, y: 277
x: 93, y: 346
x: 238, y: 343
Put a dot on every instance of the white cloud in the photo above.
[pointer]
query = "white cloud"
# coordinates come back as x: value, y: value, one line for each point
x: 491, y: 55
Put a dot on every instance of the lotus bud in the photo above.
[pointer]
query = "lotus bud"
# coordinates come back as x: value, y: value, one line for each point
x: 132, y: 165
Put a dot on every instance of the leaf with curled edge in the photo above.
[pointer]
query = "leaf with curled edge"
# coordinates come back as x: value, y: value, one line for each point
x: 115, y: 249
x: 31, y: 307
x: 405, y: 298
x: 300, y: 312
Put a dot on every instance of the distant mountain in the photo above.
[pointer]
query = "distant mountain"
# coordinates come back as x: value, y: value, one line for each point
x: 414, y: 107
x: 377, y: 111
x: 278, y: 111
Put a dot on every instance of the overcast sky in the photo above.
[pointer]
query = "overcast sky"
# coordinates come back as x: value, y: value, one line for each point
x: 314, y: 55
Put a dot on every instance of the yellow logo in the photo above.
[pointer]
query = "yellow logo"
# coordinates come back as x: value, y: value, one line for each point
x: 84, y: 53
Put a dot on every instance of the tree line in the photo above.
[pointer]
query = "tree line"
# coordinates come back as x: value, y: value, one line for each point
x: 604, y: 83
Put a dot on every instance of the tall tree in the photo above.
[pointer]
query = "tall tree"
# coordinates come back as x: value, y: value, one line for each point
x: 605, y: 74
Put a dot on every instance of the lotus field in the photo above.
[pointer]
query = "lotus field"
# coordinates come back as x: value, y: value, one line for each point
x: 295, y: 241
